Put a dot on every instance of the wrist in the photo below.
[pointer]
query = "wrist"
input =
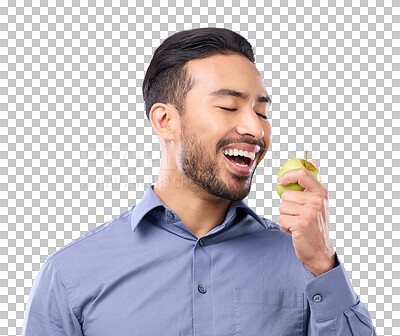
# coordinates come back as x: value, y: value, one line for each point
x: 322, y: 267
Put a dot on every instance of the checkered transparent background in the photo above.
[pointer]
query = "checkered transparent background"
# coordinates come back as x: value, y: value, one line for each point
x: 76, y: 148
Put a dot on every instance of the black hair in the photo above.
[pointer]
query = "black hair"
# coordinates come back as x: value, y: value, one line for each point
x: 167, y: 79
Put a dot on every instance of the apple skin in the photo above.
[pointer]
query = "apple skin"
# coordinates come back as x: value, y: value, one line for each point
x: 295, y: 164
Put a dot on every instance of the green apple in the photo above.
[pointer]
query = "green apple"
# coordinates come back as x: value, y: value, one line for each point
x: 295, y: 164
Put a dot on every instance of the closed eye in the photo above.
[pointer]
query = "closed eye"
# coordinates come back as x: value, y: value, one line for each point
x: 228, y: 109
x: 234, y: 109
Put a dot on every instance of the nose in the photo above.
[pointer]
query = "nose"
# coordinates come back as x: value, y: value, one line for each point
x: 250, y: 124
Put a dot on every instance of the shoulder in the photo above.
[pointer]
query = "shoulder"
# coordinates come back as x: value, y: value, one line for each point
x: 86, y: 244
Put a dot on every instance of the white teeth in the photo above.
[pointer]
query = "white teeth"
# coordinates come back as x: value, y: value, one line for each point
x: 241, y: 165
x: 236, y: 152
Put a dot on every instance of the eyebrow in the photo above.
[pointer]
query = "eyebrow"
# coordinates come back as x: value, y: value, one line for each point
x: 239, y: 94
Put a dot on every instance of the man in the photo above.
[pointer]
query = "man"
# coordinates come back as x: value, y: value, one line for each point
x: 191, y: 258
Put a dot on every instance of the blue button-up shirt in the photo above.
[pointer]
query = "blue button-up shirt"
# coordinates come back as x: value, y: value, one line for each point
x: 145, y: 273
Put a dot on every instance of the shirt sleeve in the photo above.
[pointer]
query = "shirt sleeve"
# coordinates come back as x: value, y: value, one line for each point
x: 336, y: 309
x: 49, y: 311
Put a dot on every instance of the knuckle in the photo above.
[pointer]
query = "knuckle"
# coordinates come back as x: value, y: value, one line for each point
x: 303, y: 172
x: 320, y: 202
x: 309, y: 217
x: 316, y: 201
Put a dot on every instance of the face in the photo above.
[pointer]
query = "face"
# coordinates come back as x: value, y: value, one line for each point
x: 224, y: 132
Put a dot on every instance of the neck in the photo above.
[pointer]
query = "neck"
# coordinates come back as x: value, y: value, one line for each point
x: 199, y: 211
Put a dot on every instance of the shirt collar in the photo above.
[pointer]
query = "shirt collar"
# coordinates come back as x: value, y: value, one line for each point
x: 151, y: 201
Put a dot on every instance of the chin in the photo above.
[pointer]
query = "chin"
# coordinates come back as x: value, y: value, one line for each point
x: 237, y: 190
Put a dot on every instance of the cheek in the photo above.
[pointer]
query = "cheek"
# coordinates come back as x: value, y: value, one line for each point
x: 201, y: 120
x: 211, y: 128
x: 207, y: 131
x: 267, y: 135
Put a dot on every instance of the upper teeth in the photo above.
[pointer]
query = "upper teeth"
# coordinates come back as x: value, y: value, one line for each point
x: 236, y: 152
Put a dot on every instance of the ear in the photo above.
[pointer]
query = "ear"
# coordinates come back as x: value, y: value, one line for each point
x: 165, y: 120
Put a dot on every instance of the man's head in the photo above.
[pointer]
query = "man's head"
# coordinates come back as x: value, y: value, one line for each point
x: 204, y: 97
x: 167, y: 80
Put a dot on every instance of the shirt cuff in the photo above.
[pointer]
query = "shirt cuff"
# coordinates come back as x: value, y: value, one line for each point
x: 331, y: 293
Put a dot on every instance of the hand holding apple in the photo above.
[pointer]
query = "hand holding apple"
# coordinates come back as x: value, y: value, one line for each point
x: 295, y: 164
x: 304, y: 213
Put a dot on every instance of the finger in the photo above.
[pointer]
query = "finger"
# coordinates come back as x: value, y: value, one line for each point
x: 310, y: 200
x: 294, y: 196
x: 291, y: 209
x: 287, y: 223
x: 303, y: 177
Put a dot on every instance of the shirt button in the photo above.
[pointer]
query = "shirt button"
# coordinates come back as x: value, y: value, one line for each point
x: 202, y: 289
x: 201, y: 242
x: 317, y: 298
x: 170, y: 215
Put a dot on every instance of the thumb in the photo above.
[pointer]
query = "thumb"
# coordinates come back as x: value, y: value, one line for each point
x: 315, y: 164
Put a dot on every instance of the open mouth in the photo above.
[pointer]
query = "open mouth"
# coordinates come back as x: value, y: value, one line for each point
x: 241, y: 161
x: 240, y: 158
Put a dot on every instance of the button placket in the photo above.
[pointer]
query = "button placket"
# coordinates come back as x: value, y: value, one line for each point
x: 202, y: 315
